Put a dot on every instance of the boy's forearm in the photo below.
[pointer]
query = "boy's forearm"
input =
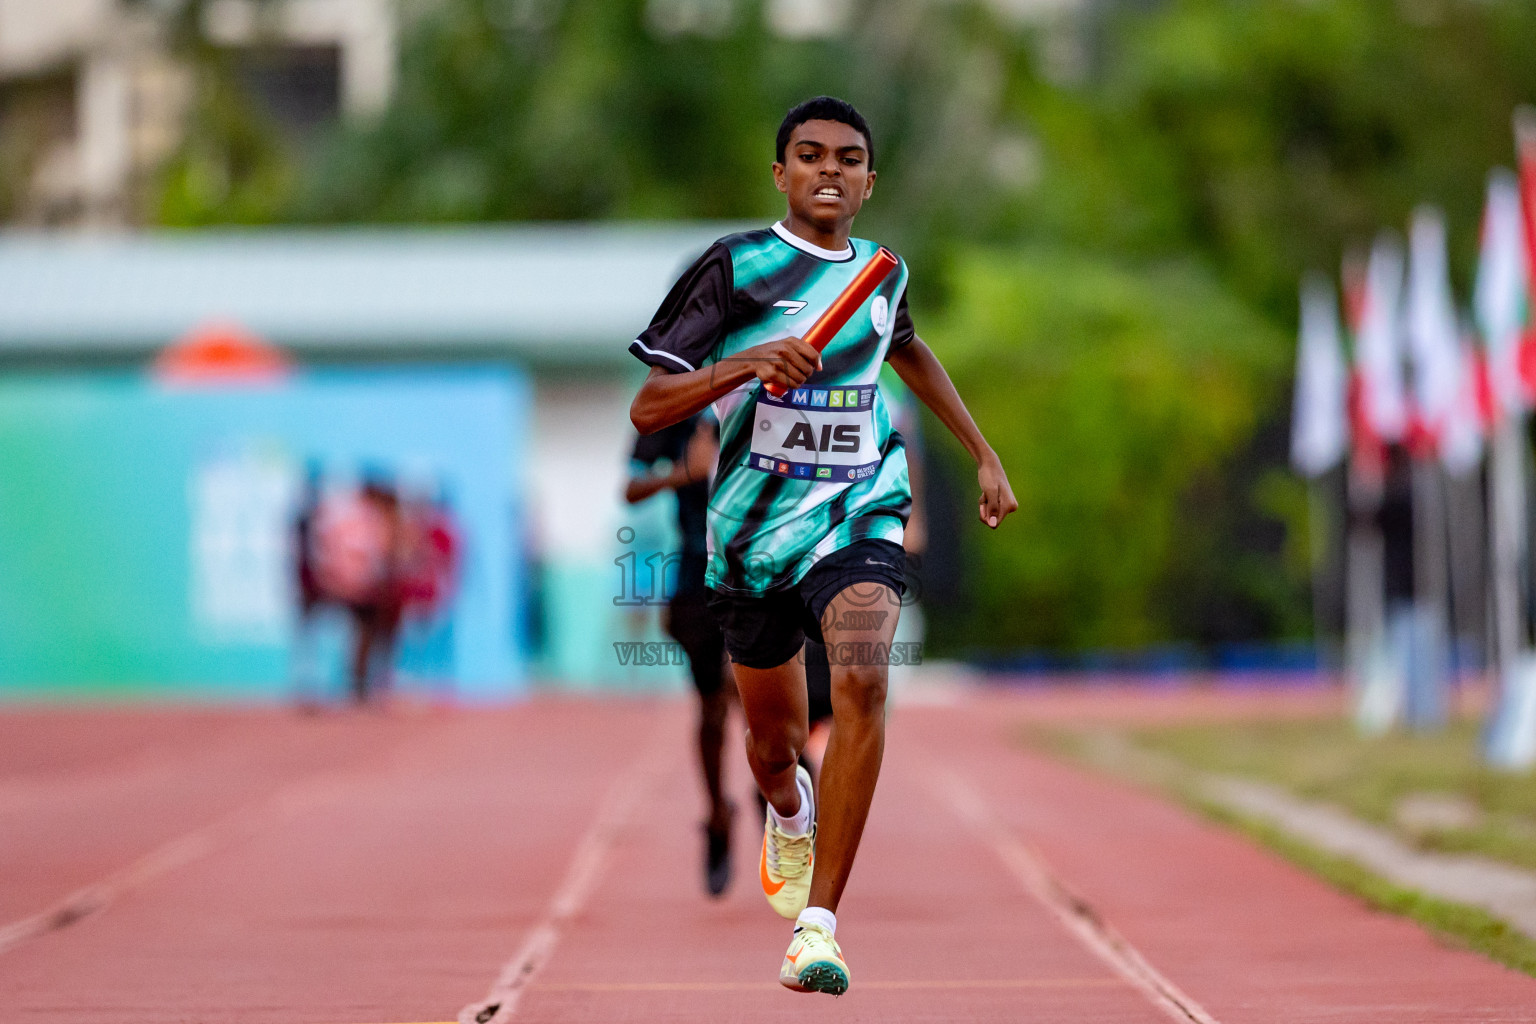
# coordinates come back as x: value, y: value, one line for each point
x: 642, y: 487
x: 668, y: 398
x: 921, y: 371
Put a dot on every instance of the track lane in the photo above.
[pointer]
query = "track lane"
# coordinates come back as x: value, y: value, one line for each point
x: 934, y: 928
x: 1252, y: 938
x: 396, y: 892
x: 391, y: 896
x: 84, y: 794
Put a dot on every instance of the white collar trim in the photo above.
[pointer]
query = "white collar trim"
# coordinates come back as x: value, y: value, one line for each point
x: 836, y: 255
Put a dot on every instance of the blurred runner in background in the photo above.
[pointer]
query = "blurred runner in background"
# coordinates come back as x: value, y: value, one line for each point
x: 359, y: 553
x: 679, y: 458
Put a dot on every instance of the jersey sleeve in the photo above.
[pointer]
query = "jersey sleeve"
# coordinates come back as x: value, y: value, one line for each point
x: 692, y: 317
x: 902, y: 332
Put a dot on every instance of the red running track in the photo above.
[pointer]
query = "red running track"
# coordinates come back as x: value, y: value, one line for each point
x: 252, y: 867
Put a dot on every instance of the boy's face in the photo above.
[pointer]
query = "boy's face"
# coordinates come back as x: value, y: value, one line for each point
x: 825, y: 173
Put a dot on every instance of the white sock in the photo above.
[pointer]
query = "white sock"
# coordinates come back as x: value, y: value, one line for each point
x: 799, y: 823
x: 818, y: 916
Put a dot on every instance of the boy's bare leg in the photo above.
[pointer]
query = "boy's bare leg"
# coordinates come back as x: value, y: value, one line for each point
x: 774, y: 703
x: 859, y: 625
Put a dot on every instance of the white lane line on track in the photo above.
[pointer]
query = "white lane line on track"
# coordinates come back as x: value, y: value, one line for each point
x: 1072, y: 911
x: 241, y: 823
x: 500, y: 1003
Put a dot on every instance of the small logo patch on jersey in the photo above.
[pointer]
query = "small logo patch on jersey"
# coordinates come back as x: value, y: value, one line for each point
x: 823, y: 472
x: 793, y: 306
x: 879, y: 312
x: 818, y: 397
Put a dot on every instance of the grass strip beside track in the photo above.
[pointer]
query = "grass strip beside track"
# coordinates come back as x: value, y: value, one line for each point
x: 1374, y: 777
x: 1458, y: 924
x: 1455, y: 923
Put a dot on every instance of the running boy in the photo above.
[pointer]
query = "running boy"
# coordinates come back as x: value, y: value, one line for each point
x: 810, y: 499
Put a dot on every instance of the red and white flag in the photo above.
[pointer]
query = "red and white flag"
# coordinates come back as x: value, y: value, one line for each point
x: 1501, y: 296
x: 1444, y: 391
x: 1319, y: 423
x: 1525, y: 146
x: 1383, y: 399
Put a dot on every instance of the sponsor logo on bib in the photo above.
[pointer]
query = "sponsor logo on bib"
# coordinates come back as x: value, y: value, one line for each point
x: 816, y: 434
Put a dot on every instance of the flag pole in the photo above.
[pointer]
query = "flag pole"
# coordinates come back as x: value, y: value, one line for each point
x: 1444, y: 438
x: 1321, y: 532
x: 1319, y: 437
x: 1365, y: 612
x: 1426, y: 706
x: 1371, y: 295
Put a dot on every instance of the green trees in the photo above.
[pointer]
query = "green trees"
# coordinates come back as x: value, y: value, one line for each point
x: 1119, y: 400
x: 537, y: 109
x: 1106, y: 255
x: 1293, y: 129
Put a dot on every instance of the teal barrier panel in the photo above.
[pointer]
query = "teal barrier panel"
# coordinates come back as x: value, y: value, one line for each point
x: 145, y: 529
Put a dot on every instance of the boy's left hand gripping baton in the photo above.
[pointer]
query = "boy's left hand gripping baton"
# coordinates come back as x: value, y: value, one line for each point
x: 845, y: 305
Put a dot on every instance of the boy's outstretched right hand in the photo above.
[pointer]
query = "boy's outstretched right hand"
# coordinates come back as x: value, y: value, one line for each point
x: 787, y: 362
x: 997, y: 499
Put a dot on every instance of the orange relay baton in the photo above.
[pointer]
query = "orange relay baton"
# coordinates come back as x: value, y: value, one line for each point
x: 845, y: 305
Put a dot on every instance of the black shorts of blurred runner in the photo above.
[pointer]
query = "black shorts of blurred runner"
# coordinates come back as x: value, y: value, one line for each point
x: 818, y: 683
x: 688, y: 621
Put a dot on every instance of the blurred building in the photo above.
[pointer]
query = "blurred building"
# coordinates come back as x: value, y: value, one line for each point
x: 94, y: 93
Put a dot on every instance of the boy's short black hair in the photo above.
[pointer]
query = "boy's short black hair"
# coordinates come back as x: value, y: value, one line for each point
x: 825, y: 108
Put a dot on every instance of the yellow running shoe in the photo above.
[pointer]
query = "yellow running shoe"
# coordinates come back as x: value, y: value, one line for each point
x: 785, y: 867
x: 814, y: 962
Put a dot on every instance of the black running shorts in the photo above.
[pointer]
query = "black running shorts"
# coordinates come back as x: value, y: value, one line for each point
x: 767, y: 631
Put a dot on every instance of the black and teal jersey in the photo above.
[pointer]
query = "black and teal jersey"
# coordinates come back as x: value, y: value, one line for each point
x: 807, y: 474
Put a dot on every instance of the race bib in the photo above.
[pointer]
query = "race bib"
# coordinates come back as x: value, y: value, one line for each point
x: 816, y: 434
